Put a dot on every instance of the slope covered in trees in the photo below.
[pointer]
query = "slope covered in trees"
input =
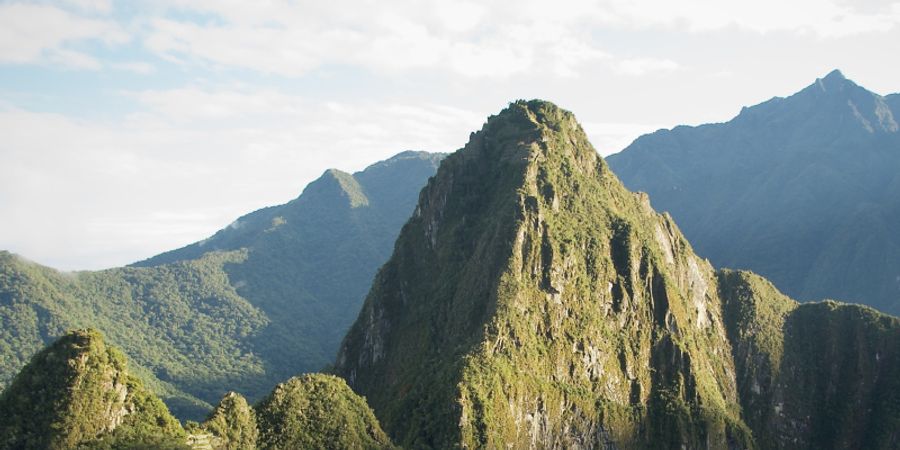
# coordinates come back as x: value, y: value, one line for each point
x: 262, y: 300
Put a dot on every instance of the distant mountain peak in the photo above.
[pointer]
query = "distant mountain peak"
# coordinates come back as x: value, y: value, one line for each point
x: 834, y: 82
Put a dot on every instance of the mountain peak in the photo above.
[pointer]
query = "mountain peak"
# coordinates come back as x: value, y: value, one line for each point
x: 526, y: 256
x: 834, y: 82
x: 532, y: 130
x: 835, y: 74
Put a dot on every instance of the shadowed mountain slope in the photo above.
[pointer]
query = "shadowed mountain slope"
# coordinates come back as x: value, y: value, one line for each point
x: 804, y: 190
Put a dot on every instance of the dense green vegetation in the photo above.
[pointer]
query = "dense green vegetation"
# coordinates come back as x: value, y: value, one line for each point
x: 183, y: 324
x: 264, y: 299
x: 818, y: 375
x: 233, y: 423
x: 549, y: 305
x: 318, y: 411
x: 78, y: 393
x: 802, y: 190
x: 532, y: 301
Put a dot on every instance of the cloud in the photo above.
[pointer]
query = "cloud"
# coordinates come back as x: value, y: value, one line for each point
x: 612, y: 137
x: 292, y: 39
x: 99, y: 6
x: 138, y: 67
x: 819, y: 18
x: 41, y: 34
x: 196, y: 159
x: 644, y: 66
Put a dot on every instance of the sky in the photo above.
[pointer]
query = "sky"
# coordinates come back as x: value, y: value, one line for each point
x: 128, y: 128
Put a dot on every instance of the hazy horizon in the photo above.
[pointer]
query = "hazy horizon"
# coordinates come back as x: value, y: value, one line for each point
x: 132, y: 128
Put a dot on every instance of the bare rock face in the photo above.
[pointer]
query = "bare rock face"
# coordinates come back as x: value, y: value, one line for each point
x: 78, y: 392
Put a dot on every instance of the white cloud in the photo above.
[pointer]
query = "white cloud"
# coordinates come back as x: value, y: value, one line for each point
x: 31, y: 33
x: 611, y: 137
x: 644, y: 66
x: 292, y: 39
x: 194, y: 162
x: 100, y: 6
x: 820, y: 18
x: 138, y: 67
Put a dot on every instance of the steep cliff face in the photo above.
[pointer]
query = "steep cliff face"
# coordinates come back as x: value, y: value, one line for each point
x: 533, y: 301
x: 817, y: 375
x: 78, y: 392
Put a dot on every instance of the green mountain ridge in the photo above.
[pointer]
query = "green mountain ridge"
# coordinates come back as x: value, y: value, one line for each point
x: 260, y: 301
x: 533, y: 302
x: 802, y: 190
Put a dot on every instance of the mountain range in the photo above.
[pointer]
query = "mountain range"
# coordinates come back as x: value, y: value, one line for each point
x: 262, y: 300
x: 530, y: 300
x: 804, y: 190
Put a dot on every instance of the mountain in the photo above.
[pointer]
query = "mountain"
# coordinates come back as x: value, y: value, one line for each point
x: 804, y: 190
x: 533, y: 302
x: 233, y: 424
x: 78, y: 393
x: 266, y: 298
x: 318, y: 411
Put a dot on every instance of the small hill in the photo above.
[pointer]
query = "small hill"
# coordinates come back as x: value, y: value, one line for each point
x: 77, y: 393
x: 318, y: 411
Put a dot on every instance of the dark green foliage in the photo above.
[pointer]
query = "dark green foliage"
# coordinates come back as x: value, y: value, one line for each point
x: 802, y: 190
x: 184, y: 324
x: 818, y: 375
x: 264, y: 299
x: 78, y: 393
x: 233, y: 423
x: 318, y: 411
